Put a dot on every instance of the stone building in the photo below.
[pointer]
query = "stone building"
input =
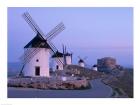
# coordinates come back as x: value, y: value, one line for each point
x: 106, y: 64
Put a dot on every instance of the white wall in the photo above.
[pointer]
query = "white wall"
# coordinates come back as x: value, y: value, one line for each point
x: 68, y: 60
x: 94, y: 68
x: 60, y: 65
x: 43, y: 57
x: 82, y: 64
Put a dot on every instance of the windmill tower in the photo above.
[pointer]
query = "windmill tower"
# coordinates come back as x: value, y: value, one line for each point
x: 58, y: 65
x: 81, y: 61
x: 37, y: 52
x: 67, y: 56
x: 94, y: 67
x: 37, y: 63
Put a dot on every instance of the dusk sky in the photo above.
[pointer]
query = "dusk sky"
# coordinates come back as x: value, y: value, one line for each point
x: 90, y: 32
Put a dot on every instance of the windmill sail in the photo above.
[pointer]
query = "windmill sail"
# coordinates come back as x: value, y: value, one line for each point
x: 29, y: 54
x: 55, y: 31
x: 32, y: 23
x: 53, y: 51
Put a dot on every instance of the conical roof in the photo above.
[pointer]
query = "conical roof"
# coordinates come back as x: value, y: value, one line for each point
x: 57, y: 54
x: 67, y: 54
x: 94, y: 66
x: 81, y: 61
x: 37, y: 42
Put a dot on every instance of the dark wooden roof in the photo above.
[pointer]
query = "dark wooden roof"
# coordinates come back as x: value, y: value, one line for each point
x: 37, y: 42
x: 81, y: 61
x: 57, y: 54
x: 68, y: 54
x: 94, y: 66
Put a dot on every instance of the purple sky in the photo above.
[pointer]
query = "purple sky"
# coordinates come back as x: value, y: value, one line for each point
x: 91, y: 32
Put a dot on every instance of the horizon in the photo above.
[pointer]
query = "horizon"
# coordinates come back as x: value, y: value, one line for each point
x: 103, y: 31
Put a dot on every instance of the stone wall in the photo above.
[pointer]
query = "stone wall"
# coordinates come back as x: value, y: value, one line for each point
x: 106, y: 64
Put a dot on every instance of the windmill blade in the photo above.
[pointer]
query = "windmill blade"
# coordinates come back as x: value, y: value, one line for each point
x: 29, y: 54
x: 53, y: 51
x: 52, y: 46
x: 27, y: 58
x: 32, y: 23
x: 37, y: 27
x: 55, y: 31
x: 29, y: 23
x: 64, y: 54
x: 63, y: 49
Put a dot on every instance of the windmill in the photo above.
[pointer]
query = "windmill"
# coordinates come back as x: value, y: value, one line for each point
x: 81, y: 61
x: 58, y: 65
x: 95, y: 67
x: 67, y: 56
x: 36, y: 53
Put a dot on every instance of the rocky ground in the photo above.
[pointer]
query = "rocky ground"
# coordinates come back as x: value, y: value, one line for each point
x: 76, y: 78
x: 82, y: 72
x: 118, y: 78
x: 97, y: 90
x: 121, y: 83
x: 49, y: 83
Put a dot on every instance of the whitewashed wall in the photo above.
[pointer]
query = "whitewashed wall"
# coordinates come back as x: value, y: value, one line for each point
x: 94, y: 68
x: 43, y: 57
x: 68, y: 60
x: 82, y: 64
x: 60, y: 65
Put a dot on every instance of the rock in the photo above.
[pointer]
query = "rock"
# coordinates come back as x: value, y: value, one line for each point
x: 44, y: 83
x: 77, y: 71
x: 107, y: 62
x: 108, y: 65
x: 122, y: 81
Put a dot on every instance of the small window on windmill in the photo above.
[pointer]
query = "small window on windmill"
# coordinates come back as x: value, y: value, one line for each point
x: 37, y: 60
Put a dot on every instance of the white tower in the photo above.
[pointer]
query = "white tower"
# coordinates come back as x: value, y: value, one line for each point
x: 68, y: 58
x: 94, y: 67
x: 81, y: 63
x: 58, y: 57
x: 37, y: 64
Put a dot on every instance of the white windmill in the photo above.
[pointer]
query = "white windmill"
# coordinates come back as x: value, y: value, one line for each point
x: 81, y: 61
x: 37, y: 52
x: 94, y: 67
x: 58, y: 65
x: 67, y: 56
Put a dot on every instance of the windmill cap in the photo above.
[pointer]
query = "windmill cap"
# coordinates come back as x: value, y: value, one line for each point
x: 81, y: 61
x: 94, y: 65
x: 37, y: 42
x: 57, y: 54
x: 68, y: 54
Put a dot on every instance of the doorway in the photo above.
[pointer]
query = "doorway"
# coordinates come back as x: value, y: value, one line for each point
x: 37, y: 70
x: 57, y: 67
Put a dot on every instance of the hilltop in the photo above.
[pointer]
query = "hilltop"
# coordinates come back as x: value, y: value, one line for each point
x: 120, y: 79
